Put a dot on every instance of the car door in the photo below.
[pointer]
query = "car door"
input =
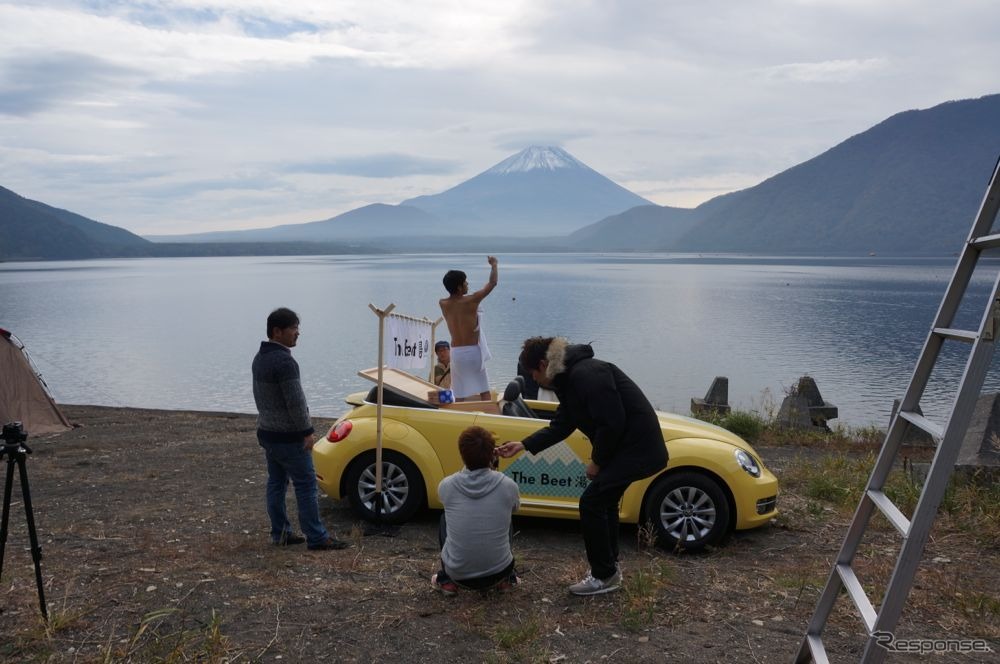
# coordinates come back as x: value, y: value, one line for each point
x: 550, y: 482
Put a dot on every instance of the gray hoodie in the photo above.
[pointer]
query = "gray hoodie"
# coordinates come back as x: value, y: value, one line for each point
x: 477, y: 507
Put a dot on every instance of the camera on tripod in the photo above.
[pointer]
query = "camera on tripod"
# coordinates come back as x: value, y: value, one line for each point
x: 13, y: 434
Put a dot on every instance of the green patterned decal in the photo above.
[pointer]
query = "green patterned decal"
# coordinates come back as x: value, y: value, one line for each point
x: 555, y: 472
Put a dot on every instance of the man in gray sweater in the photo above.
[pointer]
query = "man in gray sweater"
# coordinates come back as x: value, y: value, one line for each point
x: 475, y: 527
x: 286, y: 433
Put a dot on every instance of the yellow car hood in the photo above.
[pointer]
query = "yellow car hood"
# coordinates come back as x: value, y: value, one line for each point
x: 679, y: 426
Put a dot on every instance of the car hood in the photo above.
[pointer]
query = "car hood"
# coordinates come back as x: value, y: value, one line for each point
x: 679, y: 426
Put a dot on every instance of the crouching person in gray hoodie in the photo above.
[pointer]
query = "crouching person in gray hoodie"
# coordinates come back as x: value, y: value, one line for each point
x: 475, y: 531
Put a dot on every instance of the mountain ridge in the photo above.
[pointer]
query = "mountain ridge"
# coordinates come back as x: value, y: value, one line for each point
x: 908, y: 185
x: 556, y: 195
x: 536, y: 157
x: 541, y: 192
x: 33, y: 230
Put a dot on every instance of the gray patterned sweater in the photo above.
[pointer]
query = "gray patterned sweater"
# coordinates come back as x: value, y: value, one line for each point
x: 282, y: 412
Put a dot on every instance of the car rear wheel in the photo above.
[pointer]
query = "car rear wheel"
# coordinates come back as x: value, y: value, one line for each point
x: 402, y: 487
x: 687, y: 511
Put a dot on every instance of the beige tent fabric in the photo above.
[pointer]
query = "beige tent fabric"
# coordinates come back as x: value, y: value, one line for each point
x: 23, y: 397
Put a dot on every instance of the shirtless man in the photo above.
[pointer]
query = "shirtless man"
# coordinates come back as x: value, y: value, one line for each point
x: 468, y: 345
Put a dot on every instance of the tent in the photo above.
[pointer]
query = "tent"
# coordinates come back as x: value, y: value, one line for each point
x: 24, y: 396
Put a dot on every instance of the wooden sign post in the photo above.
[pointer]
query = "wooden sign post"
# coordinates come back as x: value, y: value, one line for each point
x: 378, y: 500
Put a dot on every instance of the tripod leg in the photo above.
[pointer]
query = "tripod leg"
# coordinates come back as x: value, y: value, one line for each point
x: 6, y: 509
x: 36, y: 550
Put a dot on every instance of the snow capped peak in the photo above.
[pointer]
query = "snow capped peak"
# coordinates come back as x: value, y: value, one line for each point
x: 545, y: 157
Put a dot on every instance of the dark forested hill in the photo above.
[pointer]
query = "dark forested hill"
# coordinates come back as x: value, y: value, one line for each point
x: 32, y: 230
x: 909, y: 185
x: 646, y: 227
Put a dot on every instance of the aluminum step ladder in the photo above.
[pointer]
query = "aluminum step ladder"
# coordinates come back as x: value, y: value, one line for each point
x: 880, y: 623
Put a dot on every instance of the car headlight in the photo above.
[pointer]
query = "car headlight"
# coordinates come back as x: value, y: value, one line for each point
x: 747, y: 463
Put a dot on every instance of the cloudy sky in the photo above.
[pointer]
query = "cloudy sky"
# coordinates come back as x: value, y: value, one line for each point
x: 175, y: 116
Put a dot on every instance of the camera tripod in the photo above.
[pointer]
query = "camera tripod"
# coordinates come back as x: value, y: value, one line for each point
x: 16, y: 451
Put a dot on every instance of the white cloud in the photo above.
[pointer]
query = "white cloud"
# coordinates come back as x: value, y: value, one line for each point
x: 184, y: 39
x: 839, y: 71
x: 184, y: 115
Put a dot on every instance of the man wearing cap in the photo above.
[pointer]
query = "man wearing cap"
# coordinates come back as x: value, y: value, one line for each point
x: 442, y: 370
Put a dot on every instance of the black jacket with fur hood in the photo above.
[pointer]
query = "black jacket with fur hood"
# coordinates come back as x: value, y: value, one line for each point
x: 597, y: 398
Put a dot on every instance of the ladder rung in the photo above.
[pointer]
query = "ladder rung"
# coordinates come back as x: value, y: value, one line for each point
x: 957, y: 335
x: 816, y: 649
x: 922, y: 422
x: 857, y: 593
x: 891, y: 512
x: 986, y: 241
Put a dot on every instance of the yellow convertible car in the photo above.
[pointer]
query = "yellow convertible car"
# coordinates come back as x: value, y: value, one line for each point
x: 713, y: 483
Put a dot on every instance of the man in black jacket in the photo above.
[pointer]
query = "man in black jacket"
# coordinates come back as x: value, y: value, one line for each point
x: 597, y: 398
x: 286, y: 433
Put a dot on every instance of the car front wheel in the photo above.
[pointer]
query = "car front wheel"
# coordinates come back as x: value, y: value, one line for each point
x: 402, y: 487
x: 687, y: 511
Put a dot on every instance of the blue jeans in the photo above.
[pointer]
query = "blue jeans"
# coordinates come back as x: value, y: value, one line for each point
x: 291, y: 461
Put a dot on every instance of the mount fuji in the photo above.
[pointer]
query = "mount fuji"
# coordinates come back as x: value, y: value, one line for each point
x: 542, y: 190
x: 538, y: 192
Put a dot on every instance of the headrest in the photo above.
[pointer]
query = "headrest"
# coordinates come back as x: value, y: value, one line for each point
x: 514, y: 389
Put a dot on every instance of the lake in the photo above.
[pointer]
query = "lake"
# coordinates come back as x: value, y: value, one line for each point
x: 180, y: 333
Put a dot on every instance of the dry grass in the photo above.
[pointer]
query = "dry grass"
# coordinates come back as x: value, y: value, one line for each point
x: 838, y: 481
x: 180, y: 570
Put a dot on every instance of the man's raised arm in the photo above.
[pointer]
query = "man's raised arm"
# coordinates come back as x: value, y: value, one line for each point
x: 491, y: 284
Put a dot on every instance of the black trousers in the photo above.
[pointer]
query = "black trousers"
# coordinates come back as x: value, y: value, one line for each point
x: 600, y: 500
x: 599, y: 523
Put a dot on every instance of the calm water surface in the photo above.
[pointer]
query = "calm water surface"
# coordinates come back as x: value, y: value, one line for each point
x: 180, y: 333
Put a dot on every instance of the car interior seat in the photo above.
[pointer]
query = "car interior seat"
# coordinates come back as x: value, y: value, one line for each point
x: 392, y: 396
x: 513, y: 404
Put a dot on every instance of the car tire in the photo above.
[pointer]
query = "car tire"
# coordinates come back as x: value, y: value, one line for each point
x: 687, y: 511
x: 403, y: 487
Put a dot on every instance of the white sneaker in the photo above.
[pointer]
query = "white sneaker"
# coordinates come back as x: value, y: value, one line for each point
x: 591, y: 586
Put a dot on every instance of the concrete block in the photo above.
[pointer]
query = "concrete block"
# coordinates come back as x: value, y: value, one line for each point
x: 981, y: 445
x: 716, y: 399
x: 794, y: 413
x: 820, y: 412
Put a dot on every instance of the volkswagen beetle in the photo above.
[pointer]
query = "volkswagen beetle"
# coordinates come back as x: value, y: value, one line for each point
x: 713, y: 483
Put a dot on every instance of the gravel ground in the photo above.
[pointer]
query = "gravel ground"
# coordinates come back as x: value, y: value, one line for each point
x: 155, y: 548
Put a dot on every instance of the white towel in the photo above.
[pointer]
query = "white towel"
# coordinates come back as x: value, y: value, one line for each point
x: 484, y: 349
